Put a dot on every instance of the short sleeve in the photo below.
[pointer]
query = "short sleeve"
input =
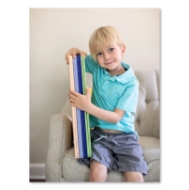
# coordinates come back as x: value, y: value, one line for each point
x: 90, y: 64
x: 129, y: 99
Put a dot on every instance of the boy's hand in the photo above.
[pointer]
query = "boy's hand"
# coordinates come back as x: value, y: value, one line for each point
x: 80, y: 101
x: 73, y: 52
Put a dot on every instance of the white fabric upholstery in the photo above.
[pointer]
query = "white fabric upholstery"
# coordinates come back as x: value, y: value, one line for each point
x: 61, y: 165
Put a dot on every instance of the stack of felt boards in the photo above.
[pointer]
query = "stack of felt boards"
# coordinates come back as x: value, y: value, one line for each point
x: 80, y: 119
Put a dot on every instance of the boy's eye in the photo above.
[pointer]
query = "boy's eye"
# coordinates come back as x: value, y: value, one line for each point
x: 99, y: 53
x: 111, y: 49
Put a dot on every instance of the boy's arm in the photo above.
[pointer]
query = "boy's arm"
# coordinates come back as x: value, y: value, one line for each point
x: 83, y: 102
x: 109, y: 116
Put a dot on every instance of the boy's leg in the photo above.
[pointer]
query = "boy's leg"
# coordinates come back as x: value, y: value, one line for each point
x: 98, y: 172
x: 134, y: 177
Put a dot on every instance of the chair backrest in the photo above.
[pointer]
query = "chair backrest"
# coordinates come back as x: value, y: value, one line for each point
x: 147, y: 121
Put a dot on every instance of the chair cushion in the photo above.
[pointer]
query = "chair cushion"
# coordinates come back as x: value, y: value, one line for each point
x: 147, y: 118
x: 73, y: 171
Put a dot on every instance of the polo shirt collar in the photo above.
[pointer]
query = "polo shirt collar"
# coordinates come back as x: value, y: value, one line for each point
x: 123, y: 78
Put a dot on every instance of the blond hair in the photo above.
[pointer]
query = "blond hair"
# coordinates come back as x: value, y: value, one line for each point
x: 104, y: 36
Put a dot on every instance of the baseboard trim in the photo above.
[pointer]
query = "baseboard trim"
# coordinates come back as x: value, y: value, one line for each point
x: 37, y: 171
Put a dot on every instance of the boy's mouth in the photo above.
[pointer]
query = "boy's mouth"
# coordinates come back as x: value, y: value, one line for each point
x: 108, y: 63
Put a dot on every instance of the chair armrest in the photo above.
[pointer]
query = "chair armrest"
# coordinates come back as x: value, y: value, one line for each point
x: 60, y: 139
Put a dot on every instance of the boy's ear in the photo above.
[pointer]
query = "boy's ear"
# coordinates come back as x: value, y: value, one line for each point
x: 123, y: 48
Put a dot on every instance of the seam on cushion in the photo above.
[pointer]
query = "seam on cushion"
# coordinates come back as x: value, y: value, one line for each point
x: 70, y: 157
x: 65, y: 155
x: 153, y: 159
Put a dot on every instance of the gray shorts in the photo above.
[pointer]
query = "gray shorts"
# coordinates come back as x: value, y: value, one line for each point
x: 119, y: 152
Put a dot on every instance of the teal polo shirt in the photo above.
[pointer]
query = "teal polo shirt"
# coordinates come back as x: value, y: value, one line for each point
x: 110, y: 92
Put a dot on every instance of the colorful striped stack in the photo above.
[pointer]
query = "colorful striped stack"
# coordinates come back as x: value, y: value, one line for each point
x: 80, y: 119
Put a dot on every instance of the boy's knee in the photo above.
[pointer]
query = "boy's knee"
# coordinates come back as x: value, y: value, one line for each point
x: 134, y: 177
x: 97, y: 176
x: 98, y: 172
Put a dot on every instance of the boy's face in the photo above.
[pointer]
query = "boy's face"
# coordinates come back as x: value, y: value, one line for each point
x: 110, y: 57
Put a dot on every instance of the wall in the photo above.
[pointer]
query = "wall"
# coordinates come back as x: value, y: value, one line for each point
x: 53, y: 32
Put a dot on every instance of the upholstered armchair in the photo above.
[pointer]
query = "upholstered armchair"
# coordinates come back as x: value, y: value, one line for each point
x: 61, y: 165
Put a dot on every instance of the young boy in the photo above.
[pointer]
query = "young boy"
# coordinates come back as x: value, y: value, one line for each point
x: 111, y: 108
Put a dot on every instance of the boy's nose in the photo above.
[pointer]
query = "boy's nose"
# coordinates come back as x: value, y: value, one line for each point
x: 106, y: 55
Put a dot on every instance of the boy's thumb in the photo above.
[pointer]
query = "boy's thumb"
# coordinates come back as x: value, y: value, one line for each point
x: 88, y: 91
